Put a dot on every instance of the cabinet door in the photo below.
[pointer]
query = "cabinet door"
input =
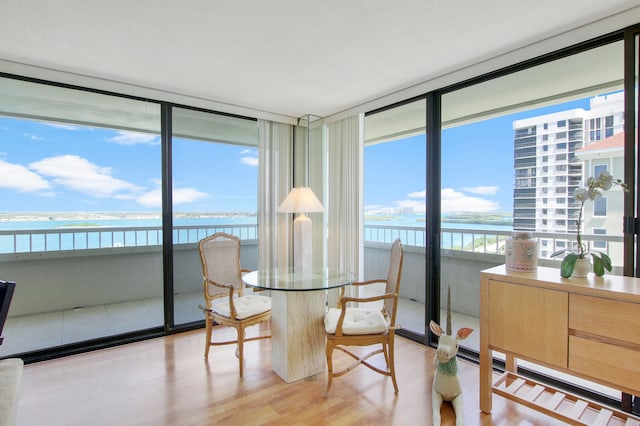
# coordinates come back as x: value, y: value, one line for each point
x: 530, y: 322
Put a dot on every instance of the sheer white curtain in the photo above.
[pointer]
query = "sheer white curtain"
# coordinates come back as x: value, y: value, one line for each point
x: 274, y: 147
x: 345, y: 247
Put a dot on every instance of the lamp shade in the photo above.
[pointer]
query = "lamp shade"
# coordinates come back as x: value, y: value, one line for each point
x: 301, y: 200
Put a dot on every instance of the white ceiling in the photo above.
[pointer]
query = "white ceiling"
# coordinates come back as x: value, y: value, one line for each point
x: 287, y: 57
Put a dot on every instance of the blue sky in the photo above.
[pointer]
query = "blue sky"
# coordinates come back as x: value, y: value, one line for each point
x: 53, y: 167
x: 477, y: 172
x: 48, y: 167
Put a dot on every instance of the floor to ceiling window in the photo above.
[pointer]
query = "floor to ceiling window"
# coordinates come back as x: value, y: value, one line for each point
x: 77, y: 231
x: 395, y: 202
x: 214, y: 189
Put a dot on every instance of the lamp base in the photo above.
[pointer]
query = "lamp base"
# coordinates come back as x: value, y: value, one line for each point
x: 302, y: 247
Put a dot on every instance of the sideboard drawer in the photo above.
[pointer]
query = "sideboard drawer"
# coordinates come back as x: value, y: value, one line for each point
x: 606, y: 362
x: 605, y: 317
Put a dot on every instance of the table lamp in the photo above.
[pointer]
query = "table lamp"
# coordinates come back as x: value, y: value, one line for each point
x: 301, y: 200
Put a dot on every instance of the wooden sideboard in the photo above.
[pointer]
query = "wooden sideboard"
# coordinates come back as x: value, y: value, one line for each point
x: 586, y: 327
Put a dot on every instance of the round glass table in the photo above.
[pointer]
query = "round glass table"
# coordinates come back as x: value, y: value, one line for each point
x: 298, y: 306
x: 286, y: 279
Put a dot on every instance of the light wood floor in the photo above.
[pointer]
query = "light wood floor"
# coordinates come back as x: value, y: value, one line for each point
x: 166, y: 381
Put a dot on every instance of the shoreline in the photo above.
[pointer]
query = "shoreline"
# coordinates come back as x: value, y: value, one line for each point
x: 76, y: 216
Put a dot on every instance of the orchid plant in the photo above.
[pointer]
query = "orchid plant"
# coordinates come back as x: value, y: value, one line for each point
x: 592, y: 191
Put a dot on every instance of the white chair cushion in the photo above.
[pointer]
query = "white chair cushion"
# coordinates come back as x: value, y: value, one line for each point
x: 356, y: 321
x: 246, y: 306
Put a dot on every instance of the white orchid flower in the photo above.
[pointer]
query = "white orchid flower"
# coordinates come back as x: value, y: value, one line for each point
x: 581, y: 194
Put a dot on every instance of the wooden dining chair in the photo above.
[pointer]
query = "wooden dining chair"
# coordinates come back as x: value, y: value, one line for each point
x: 361, y: 326
x: 226, y: 303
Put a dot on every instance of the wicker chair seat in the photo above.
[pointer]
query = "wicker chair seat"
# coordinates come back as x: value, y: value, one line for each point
x: 356, y: 321
x: 246, y: 306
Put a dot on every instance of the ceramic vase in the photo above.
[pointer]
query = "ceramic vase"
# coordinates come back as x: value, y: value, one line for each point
x: 582, y: 268
x: 521, y: 252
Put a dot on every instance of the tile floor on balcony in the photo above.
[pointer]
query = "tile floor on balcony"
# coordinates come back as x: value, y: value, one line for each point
x: 33, y: 332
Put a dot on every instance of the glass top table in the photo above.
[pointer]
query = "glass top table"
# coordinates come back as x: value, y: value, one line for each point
x: 298, y: 306
x: 286, y: 279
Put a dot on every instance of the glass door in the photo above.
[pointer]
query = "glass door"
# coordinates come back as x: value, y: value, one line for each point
x: 395, y: 203
x: 75, y: 232
x: 214, y: 189
x: 632, y: 159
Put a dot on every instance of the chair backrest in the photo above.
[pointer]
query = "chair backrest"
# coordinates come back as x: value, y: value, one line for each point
x: 393, y: 279
x: 6, y: 294
x: 220, y: 257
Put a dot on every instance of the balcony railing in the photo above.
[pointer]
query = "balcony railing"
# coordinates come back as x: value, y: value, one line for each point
x: 48, y: 240
x: 469, y: 240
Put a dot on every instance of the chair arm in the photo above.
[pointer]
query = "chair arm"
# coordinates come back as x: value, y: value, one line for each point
x: 230, y: 287
x: 346, y: 299
x: 376, y: 281
x: 217, y: 284
x: 358, y: 284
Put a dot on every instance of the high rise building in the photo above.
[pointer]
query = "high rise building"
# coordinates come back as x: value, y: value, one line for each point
x: 548, y: 168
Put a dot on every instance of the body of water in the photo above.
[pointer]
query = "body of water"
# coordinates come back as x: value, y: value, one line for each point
x: 93, y: 231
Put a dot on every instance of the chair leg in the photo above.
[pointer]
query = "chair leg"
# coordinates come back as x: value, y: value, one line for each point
x: 207, y: 343
x: 329, y: 351
x: 263, y: 326
x: 240, y: 350
x: 392, y: 365
x: 386, y: 354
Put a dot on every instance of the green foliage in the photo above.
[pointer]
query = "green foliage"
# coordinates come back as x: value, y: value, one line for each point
x: 568, y: 265
x: 601, y: 262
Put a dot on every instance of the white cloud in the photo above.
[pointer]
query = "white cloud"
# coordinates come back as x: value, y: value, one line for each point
x: 34, y: 137
x: 452, y: 201
x: 21, y: 179
x: 416, y: 201
x: 153, y: 198
x: 249, y: 161
x: 61, y: 126
x: 79, y: 174
x: 250, y: 157
x: 455, y: 201
x: 482, y: 190
x: 374, y: 207
x: 134, y: 138
x: 419, y: 194
x: 187, y: 195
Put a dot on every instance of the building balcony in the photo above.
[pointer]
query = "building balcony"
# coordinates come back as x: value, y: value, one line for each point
x: 81, y: 284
